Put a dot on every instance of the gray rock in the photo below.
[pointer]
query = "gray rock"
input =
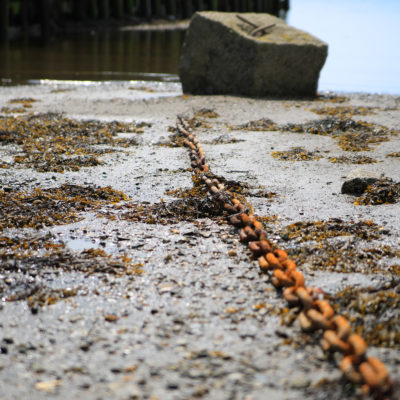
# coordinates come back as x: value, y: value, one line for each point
x: 357, y: 182
x: 220, y: 56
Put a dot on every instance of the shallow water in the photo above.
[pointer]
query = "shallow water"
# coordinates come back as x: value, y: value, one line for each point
x: 362, y: 36
x: 112, y: 55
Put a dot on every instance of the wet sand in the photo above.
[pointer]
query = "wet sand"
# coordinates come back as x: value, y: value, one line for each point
x: 176, y: 308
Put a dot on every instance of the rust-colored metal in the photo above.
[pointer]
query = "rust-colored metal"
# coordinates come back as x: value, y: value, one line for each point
x: 316, y: 311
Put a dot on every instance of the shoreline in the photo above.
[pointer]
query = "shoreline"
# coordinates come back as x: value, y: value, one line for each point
x: 174, y: 78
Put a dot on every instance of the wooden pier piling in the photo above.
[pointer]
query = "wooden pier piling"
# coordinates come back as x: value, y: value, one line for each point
x: 104, y: 9
x: 4, y: 19
x: 48, y: 13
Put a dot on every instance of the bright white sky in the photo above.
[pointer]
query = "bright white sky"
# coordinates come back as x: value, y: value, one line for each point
x: 363, y: 38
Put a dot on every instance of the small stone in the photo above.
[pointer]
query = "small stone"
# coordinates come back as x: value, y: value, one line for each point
x: 357, y: 182
x: 124, y: 390
x: 38, y: 368
x: 200, y: 391
x: 205, y: 234
x: 48, y: 386
x: 235, y: 377
x: 196, y: 373
x: 232, y: 253
x: 111, y: 317
x: 299, y: 382
x: 181, y: 342
x: 261, y: 363
x: 172, y: 385
x: 166, y: 287
x: 75, y: 318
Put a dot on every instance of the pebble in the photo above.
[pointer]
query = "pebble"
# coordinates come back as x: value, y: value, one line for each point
x: 172, y: 385
x: 300, y: 382
x: 75, y: 318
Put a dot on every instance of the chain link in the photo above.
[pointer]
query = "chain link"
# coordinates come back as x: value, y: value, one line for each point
x: 316, y: 312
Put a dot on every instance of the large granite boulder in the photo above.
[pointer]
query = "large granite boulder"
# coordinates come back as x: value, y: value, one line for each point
x: 221, y: 56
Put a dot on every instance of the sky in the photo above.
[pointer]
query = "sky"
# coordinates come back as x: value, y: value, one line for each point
x: 363, y: 38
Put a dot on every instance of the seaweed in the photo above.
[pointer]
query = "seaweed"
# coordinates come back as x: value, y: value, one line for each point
x: 51, y: 142
x: 296, y: 154
x: 47, y: 207
x: 383, y: 191
x: 373, y: 312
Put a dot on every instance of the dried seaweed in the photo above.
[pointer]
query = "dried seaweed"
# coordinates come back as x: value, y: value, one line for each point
x: 51, y: 142
x: 46, y: 207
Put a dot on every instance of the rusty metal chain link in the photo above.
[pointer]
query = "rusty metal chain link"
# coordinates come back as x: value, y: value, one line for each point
x: 316, y: 312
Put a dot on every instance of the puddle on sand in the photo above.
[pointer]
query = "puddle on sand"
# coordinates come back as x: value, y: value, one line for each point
x: 81, y: 244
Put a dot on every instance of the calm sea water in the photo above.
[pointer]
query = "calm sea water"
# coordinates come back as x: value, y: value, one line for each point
x: 111, y: 55
x: 363, y: 38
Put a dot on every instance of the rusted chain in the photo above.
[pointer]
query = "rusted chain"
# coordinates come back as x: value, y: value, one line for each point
x: 316, y: 312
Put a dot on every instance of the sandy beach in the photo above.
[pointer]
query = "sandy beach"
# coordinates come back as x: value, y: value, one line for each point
x: 115, y: 284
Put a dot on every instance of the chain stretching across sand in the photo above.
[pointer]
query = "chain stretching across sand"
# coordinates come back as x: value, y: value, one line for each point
x: 316, y: 312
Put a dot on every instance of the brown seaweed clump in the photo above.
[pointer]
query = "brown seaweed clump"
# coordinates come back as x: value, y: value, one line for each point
x: 23, y: 256
x: 165, y: 213
x: 383, y: 191
x: 321, y: 230
x: 374, y: 313
x: 25, y: 253
x: 263, y: 124
x: 23, y: 105
x: 296, y: 154
x: 339, y: 246
x: 346, y: 257
x: 46, y: 207
x: 51, y: 142
x: 396, y: 154
x: 332, y: 98
x: 199, y: 118
x: 350, y: 135
x: 206, y: 113
x: 343, y: 111
x: 355, y: 159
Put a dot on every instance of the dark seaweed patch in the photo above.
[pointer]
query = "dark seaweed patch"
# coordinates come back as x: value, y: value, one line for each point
x: 374, y: 313
x: 350, y: 135
x: 46, y: 207
x: 354, y: 159
x: 336, y: 245
x: 51, y: 142
x: 263, y: 124
x: 383, y: 191
x: 35, y: 254
x: 186, y: 209
x: 343, y: 111
x: 296, y: 154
